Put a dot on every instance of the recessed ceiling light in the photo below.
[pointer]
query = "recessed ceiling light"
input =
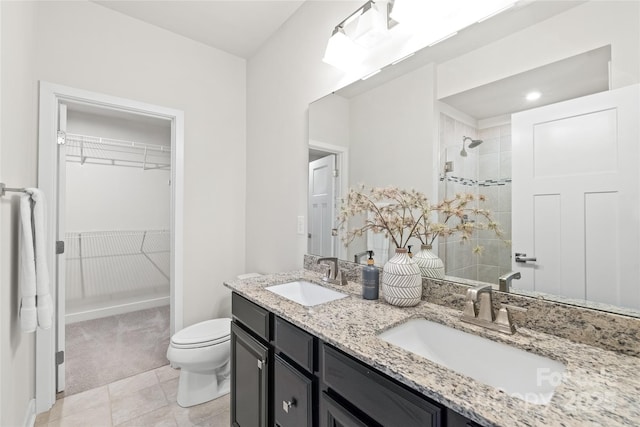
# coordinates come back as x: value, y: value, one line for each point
x: 532, y: 96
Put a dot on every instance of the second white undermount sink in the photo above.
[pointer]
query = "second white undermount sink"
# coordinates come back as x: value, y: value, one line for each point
x: 519, y: 373
x: 306, y: 293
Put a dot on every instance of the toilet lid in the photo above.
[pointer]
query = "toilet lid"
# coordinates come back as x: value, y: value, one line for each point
x: 204, y: 333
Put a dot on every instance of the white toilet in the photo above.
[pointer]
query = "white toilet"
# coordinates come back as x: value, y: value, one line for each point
x: 202, y: 352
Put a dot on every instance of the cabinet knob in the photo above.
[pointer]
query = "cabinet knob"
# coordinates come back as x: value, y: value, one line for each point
x: 286, y: 404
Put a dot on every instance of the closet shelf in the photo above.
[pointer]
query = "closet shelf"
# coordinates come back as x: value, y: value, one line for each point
x: 105, y: 151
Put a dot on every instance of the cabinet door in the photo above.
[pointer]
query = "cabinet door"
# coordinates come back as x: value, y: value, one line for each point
x: 249, y: 380
x: 293, y: 396
x: 333, y: 414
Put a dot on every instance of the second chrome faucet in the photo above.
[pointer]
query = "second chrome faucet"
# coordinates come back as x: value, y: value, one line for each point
x: 478, y: 310
x: 333, y: 275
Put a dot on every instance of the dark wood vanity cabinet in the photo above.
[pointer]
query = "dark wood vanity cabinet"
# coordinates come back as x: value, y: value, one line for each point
x: 282, y: 376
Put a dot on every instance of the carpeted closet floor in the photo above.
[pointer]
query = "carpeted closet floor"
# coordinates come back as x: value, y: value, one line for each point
x: 102, y: 351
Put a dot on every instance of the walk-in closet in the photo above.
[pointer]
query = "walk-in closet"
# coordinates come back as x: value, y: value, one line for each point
x: 117, y: 200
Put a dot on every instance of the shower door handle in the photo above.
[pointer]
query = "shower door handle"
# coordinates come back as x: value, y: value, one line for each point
x: 520, y: 257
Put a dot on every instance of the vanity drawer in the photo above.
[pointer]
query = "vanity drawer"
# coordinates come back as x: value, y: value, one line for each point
x: 293, y: 396
x: 380, y: 398
x: 251, y: 315
x: 295, y: 343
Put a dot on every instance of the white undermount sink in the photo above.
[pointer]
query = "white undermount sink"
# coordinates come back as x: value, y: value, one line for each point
x: 306, y: 293
x: 518, y: 373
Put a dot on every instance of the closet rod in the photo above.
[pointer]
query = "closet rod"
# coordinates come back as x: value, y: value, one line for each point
x: 4, y: 189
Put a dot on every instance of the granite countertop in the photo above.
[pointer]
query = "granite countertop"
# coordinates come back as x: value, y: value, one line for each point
x: 600, y: 387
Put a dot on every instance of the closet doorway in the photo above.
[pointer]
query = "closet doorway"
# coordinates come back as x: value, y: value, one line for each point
x: 112, y: 172
x: 117, y: 203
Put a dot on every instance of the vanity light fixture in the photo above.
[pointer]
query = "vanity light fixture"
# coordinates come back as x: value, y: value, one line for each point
x: 370, y: 28
x: 341, y: 51
x: 533, y: 95
x: 421, y: 23
x: 365, y: 28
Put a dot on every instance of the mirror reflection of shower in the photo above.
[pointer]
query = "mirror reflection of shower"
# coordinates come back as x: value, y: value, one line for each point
x: 482, y: 167
x: 474, y: 144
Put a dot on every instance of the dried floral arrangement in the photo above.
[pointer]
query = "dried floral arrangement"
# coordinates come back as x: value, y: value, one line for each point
x: 403, y: 214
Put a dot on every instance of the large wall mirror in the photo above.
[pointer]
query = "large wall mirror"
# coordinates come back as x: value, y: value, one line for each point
x: 560, y: 172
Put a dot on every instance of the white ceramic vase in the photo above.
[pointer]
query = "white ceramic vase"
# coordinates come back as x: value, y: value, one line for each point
x: 401, y: 280
x: 430, y: 265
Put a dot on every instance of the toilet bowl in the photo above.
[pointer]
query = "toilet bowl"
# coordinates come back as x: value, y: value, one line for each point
x: 202, y: 353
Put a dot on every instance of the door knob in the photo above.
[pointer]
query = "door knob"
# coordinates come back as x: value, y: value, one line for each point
x: 520, y: 257
x: 286, y: 404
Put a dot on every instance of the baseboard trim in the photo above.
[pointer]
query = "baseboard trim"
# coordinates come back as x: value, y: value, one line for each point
x: 30, y: 414
x: 115, y: 310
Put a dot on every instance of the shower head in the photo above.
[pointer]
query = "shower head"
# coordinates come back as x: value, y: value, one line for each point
x: 474, y: 144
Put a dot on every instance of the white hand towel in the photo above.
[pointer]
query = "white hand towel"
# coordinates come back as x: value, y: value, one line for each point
x: 28, y: 313
x: 44, y: 303
x: 36, y: 308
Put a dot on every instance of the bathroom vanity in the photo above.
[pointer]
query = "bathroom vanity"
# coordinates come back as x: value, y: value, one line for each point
x: 285, y: 376
x: 327, y: 366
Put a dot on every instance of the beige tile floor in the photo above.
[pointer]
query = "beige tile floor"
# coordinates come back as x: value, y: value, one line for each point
x: 146, y: 399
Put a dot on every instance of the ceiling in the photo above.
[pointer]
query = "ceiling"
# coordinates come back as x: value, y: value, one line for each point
x: 570, y: 78
x: 239, y: 27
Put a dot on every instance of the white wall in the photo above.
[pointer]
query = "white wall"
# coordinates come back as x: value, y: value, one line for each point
x: 87, y: 46
x: 106, y: 198
x: 329, y: 120
x: 18, y: 136
x: 580, y: 29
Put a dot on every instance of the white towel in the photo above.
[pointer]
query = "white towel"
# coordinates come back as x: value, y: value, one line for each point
x: 36, y: 308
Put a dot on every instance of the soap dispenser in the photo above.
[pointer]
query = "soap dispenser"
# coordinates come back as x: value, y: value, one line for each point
x: 370, y: 279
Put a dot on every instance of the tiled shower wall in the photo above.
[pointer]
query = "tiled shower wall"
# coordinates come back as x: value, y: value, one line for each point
x: 485, y: 170
x: 495, y: 168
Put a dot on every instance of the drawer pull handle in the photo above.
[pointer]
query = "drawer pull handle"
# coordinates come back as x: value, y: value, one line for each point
x: 286, y: 404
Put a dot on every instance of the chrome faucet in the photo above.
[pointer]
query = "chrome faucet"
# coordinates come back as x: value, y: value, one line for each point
x: 332, y: 271
x: 505, y: 280
x: 481, y: 297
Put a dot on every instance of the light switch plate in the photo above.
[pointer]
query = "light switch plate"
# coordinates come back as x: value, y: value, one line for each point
x: 301, y: 225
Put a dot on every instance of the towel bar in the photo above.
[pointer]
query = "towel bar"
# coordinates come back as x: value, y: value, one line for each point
x: 4, y: 189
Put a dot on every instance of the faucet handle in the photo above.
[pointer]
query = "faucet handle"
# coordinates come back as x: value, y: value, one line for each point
x: 504, y: 322
x: 469, y: 311
x: 485, y: 307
